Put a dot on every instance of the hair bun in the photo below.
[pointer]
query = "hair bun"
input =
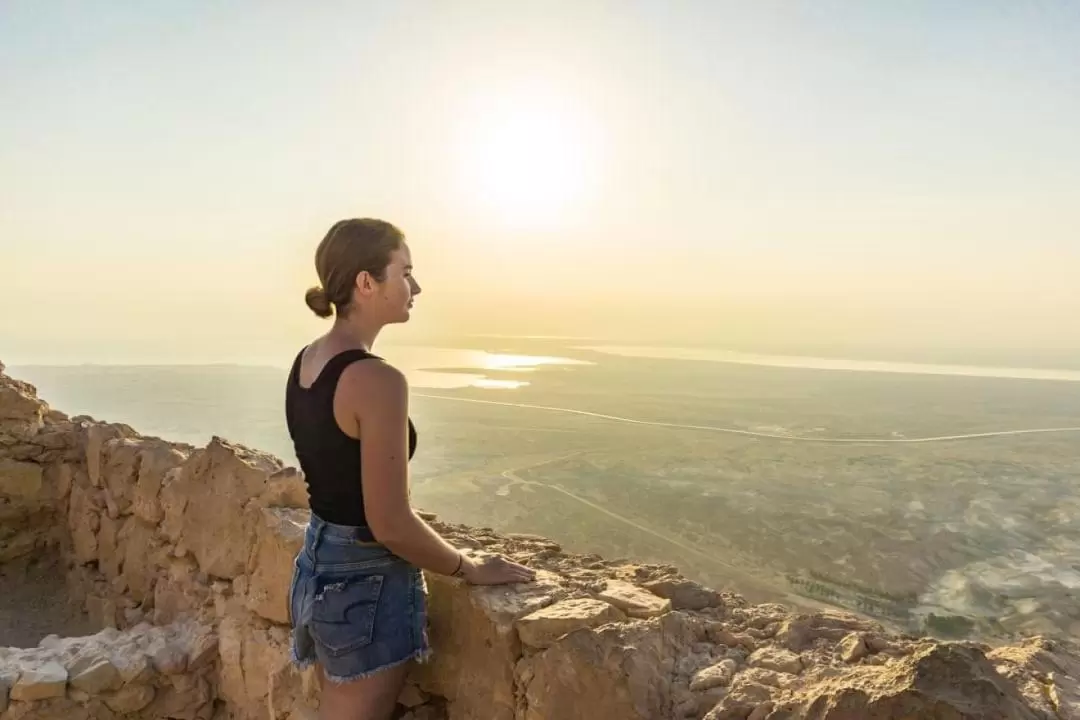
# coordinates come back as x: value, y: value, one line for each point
x: 317, y: 299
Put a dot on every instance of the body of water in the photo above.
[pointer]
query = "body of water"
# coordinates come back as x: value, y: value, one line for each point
x: 822, y: 363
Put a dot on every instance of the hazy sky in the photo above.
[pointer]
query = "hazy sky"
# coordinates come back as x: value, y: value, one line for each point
x: 777, y: 173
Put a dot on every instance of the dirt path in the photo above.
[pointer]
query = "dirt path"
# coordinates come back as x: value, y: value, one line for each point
x: 34, y: 603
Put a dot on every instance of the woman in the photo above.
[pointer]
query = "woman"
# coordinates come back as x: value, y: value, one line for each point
x: 357, y: 599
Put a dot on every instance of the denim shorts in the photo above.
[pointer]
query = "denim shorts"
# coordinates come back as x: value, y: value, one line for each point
x: 355, y: 607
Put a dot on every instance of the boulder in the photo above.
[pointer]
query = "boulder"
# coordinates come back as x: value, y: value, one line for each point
x: 543, y: 627
x: 776, y: 659
x: 48, y: 680
x: 717, y: 675
x: 218, y: 482
x: 620, y: 671
x: 22, y: 414
x: 634, y: 601
x: 93, y: 673
x: 685, y: 594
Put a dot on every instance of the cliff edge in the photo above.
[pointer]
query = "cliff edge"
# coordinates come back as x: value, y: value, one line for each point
x: 182, y: 556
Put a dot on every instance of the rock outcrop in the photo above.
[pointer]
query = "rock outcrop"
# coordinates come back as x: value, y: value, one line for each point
x: 182, y: 556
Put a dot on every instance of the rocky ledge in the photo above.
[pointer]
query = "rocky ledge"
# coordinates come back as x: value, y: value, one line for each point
x: 182, y: 556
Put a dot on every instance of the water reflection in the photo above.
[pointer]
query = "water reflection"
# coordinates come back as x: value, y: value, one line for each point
x: 450, y: 368
x: 820, y: 363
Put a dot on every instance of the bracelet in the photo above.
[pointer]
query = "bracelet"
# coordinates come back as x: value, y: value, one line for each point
x: 460, y: 563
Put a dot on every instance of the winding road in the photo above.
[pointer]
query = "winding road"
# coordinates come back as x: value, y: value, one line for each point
x: 751, y: 433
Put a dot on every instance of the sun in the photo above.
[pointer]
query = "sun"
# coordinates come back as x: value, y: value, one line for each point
x: 527, y: 160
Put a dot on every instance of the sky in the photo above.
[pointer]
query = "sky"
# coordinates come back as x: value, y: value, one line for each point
x: 878, y: 177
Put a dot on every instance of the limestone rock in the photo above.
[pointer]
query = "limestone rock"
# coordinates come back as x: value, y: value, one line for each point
x: 253, y: 653
x: 84, y: 521
x: 939, y: 682
x: 119, y: 472
x: 97, y: 435
x: 853, y: 648
x: 57, y: 478
x: 714, y: 676
x: 21, y: 412
x: 614, y: 671
x: 173, y: 500
x: 156, y: 459
x: 202, y: 648
x: 744, y: 698
x: 134, y: 667
x: 1046, y: 672
x: 279, y: 538
x: 473, y: 628
x: 102, y: 611
x: 141, y: 554
x: 21, y: 482
x: 167, y: 658
x: 721, y: 633
x: 286, y: 489
x: 44, y: 681
x: 778, y: 659
x: 8, y: 677
x: 110, y: 555
x: 634, y: 601
x: 685, y: 594
x: 799, y: 631
x: 93, y: 673
x: 19, y: 544
x: 130, y: 699
x: 411, y: 696
x: 179, y: 590
x: 219, y: 481
x: 183, y: 697
x: 543, y: 627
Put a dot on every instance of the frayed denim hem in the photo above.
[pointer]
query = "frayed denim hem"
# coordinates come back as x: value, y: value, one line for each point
x: 421, y: 656
x: 295, y: 659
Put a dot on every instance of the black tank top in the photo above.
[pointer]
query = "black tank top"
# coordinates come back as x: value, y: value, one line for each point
x: 329, y: 458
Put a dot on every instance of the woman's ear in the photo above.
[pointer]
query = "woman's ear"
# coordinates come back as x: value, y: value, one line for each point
x: 365, y: 284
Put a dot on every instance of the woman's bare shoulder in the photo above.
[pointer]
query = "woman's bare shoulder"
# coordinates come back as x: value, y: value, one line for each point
x: 374, y: 384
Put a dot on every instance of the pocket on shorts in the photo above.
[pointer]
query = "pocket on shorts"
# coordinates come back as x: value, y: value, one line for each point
x: 343, y: 613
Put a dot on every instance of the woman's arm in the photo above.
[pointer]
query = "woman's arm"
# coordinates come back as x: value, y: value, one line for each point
x: 377, y: 395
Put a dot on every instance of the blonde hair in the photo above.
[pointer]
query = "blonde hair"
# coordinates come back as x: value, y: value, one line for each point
x: 350, y: 248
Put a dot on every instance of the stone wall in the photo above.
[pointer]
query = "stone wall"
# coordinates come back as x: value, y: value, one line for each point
x: 183, y: 557
x: 145, y: 672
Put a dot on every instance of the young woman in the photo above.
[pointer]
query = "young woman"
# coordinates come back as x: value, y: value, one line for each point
x: 357, y: 600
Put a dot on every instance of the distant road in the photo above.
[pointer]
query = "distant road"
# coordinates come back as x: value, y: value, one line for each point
x: 734, y: 574
x: 751, y: 433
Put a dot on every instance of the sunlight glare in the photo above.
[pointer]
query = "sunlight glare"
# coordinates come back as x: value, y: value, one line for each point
x: 527, y: 160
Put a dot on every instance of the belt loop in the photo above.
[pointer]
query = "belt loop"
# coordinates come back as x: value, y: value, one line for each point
x: 319, y: 527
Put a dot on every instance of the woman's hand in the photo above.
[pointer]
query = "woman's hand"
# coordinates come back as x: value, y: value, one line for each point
x: 486, y: 569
